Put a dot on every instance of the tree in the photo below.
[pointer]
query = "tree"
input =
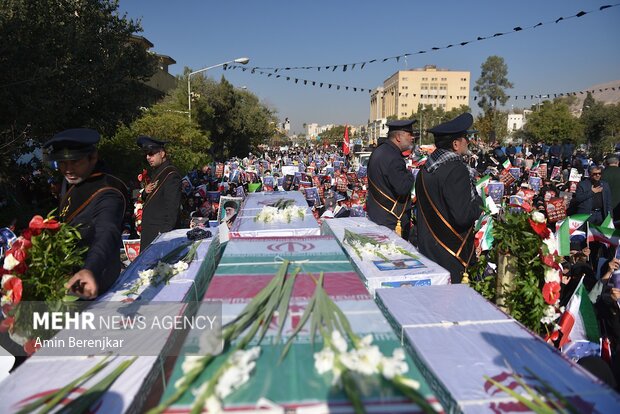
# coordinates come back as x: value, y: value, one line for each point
x: 428, y: 116
x: 491, y: 88
x: 67, y: 64
x: 492, y: 84
x: 187, y: 145
x: 235, y: 119
x: 554, y: 121
x: 492, y: 126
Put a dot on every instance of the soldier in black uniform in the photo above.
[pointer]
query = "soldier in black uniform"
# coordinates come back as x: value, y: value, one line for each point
x: 162, y: 198
x: 95, y: 202
x: 448, y: 204
x: 389, y: 181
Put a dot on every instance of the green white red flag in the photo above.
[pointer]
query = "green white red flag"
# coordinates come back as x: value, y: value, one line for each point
x: 578, y: 322
x: 567, y: 228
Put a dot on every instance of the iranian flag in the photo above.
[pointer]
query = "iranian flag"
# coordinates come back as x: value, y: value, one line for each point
x: 506, y: 164
x: 482, y: 183
x: 605, y: 235
x: 578, y: 322
x: 484, y: 233
x: 608, y: 223
x: 566, y: 228
x: 345, y: 143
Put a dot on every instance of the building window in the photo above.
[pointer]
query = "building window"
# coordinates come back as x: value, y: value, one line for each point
x: 514, y: 126
x: 405, y: 78
x: 433, y: 79
x: 424, y: 79
x: 444, y: 79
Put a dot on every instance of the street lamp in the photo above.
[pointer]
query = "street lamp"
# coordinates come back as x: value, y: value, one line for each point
x: 242, y: 61
x: 541, y: 96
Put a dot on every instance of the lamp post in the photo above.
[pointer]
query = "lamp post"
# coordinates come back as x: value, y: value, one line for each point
x: 541, y: 96
x: 242, y: 60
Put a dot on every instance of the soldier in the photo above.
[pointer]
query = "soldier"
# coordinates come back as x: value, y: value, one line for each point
x: 448, y: 204
x: 95, y: 202
x: 389, y: 181
x: 162, y: 200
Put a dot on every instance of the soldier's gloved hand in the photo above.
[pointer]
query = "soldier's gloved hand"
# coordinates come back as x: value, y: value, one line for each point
x: 83, y: 284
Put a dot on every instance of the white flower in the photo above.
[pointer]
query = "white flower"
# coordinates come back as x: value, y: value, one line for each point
x: 213, y: 405
x: 5, y: 279
x: 146, y: 275
x: 551, y: 243
x: 369, y: 359
x: 367, y: 340
x: 7, y: 298
x: 179, y: 267
x: 10, y: 262
x: 339, y: 342
x: 552, y: 275
x: 324, y: 360
x: 549, y: 315
x: 191, y: 362
x: 390, y: 367
x: 538, y: 217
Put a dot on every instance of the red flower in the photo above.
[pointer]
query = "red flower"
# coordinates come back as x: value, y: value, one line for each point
x: 540, y: 229
x: 21, y: 243
x: 14, y: 285
x: 20, y: 255
x: 31, y: 347
x: 20, y: 269
x: 38, y: 224
x: 6, y: 324
x: 144, y: 177
x: 551, y: 292
x: 139, y: 215
x: 27, y: 234
x: 549, y: 260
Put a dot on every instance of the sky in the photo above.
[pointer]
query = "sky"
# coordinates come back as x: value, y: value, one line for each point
x: 571, y: 55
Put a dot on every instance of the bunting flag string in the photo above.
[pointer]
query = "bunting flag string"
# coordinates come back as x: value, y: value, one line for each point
x: 336, y: 86
x: 306, y: 82
x: 351, y: 66
x: 560, y: 95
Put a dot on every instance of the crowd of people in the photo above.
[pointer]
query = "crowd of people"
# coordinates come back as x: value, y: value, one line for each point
x: 429, y: 197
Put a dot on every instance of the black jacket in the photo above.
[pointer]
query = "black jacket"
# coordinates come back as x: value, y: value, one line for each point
x: 388, y: 174
x: 99, y: 220
x: 449, y: 189
x: 160, y: 211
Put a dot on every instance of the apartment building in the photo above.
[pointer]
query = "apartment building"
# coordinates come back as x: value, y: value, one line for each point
x: 402, y: 93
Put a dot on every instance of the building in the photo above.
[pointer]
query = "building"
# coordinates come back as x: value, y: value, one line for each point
x: 315, y: 130
x: 516, y: 121
x: 162, y: 81
x: 403, y: 92
x: 377, y: 129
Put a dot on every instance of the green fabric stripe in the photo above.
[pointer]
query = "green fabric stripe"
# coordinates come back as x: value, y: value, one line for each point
x: 586, y: 311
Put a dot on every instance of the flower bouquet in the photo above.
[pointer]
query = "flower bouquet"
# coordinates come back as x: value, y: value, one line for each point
x: 165, y: 269
x: 365, y: 246
x: 144, y: 180
x: 281, y: 211
x: 528, y: 249
x: 35, y: 269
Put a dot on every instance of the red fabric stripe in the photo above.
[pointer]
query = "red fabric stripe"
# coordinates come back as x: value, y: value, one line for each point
x: 338, y: 284
x: 567, y: 321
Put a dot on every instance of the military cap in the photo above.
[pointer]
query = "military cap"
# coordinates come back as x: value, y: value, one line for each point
x: 453, y: 129
x: 71, y: 144
x: 402, y: 125
x: 150, y: 144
